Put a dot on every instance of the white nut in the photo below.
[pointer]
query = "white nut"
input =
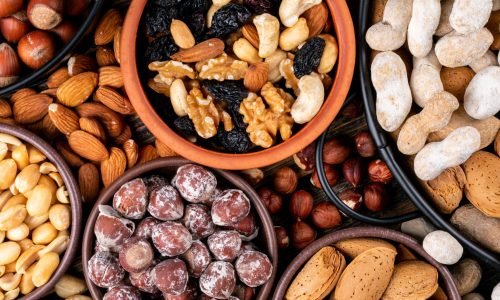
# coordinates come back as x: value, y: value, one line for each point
x: 274, y: 62
x: 423, y: 24
x: 268, y: 28
x: 468, y: 16
x: 393, y: 91
x: 293, y: 36
x: 443, y: 247
x: 458, y: 50
x: 178, y: 96
x: 330, y: 54
x: 291, y: 10
x: 390, y: 33
x: 488, y: 59
x: 425, y: 78
x: 244, y: 50
x: 454, y: 150
x: 310, y: 100
x: 444, y: 26
x: 482, y: 96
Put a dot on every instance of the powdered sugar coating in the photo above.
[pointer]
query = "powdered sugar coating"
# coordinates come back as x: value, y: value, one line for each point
x: 165, y: 203
x: 136, y: 255
x: 171, y: 238
x: 225, y: 245
x: 155, y: 181
x: 198, y: 220
x: 190, y: 293
x: 218, y: 280
x: 105, y: 270
x: 254, y: 268
x: 171, y: 276
x: 230, y: 206
x: 110, y: 229
x: 143, y: 281
x: 195, y: 183
x: 122, y: 292
x: 197, y: 258
x: 145, y: 227
x: 131, y: 199
x: 211, y: 200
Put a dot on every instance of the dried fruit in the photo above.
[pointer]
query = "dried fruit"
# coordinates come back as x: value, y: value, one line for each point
x: 228, y: 19
x: 308, y: 57
x: 160, y: 49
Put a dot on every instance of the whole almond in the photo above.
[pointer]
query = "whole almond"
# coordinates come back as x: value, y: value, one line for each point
x: 70, y: 157
x: 111, y: 76
x: 63, y: 118
x: 45, y: 127
x: 182, y: 34
x: 112, y: 99
x: 316, y: 18
x: 50, y: 92
x: 249, y: 31
x: 88, y: 180
x: 77, y: 89
x: 131, y: 150
x: 81, y: 63
x: 116, y: 43
x: 412, y: 279
x: 58, y: 77
x: 93, y: 127
x: 355, y: 246
x: 31, y: 108
x: 21, y: 94
x: 124, y: 136
x: 148, y: 153
x: 109, y: 119
x: 105, y: 56
x: 114, y: 166
x: 107, y: 27
x: 87, y: 146
x: 164, y: 150
x: 256, y: 76
x: 5, y: 109
x: 205, y: 50
x: 9, y: 121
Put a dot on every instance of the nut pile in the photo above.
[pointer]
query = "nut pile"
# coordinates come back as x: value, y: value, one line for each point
x: 180, y: 240
x: 35, y: 218
x: 37, y: 29
x: 240, y: 75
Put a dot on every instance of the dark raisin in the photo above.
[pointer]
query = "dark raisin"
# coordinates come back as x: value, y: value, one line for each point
x: 228, y: 91
x: 194, y: 6
x: 234, y: 141
x: 228, y: 19
x: 158, y: 19
x: 308, y: 57
x: 185, y: 126
x: 196, y: 23
x: 167, y: 3
x: 160, y: 49
x: 260, y: 6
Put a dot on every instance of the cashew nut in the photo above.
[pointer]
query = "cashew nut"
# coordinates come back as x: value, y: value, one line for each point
x: 291, y: 10
x: 330, y: 54
x: 310, y: 100
x: 178, y: 95
x: 458, y: 50
x: 488, y: 59
x: 390, y: 33
x: 244, y: 50
x: 444, y: 26
x: 390, y: 80
x: 268, y: 28
x: 454, y: 150
x: 482, y: 96
x: 425, y: 78
x: 423, y: 24
x: 293, y: 36
x: 274, y: 62
x: 468, y: 16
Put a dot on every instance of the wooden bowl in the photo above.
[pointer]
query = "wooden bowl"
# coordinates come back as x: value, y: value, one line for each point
x: 168, y: 167
x: 74, y: 196
x: 447, y: 282
x: 344, y: 31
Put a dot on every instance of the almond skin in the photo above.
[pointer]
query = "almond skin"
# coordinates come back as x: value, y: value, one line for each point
x: 111, y: 76
x: 109, y: 119
x: 205, y: 50
x: 107, y: 27
x: 148, y: 153
x: 124, y: 136
x: 87, y: 146
x: 131, y: 150
x: 63, y: 118
x: 88, y: 180
x: 316, y: 18
x: 77, y: 89
x: 57, y: 78
x: 249, y: 31
x: 112, y: 99
x: 93, y: 127
x: 355, y: 246
x: 164, y: 150
x: 5, y: 109
x: 81, y: 63
x: 256, y: 76
x: 412, y: 279
x: 114, y: 166
x: 31, y: 108
x: 105, y: 56
x: 70, y: 157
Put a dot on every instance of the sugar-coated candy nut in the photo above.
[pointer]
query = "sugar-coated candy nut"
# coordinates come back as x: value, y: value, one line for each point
x: 254, y: 268
x: 122, y: 292
x: 443, y: 247
x: 171, y: 276
x: 244, y: 292
x: 171, y: 239
x: 218, y: 280
x: 131, y: 199
x: 110, y: 229
x: 211, y: 200
x: 225, y: 245
x: 198, y: 220
x: 229, y: 207
x: 196, y: 184
x: 155, y: 181
x: 104, y: 270
x: 145, y: 227
x: 197, y: 258
x: 190, y: 293
x: 144, y: 281
x: 165, y: 203
x: 246, y: 227
x: 136, y: 255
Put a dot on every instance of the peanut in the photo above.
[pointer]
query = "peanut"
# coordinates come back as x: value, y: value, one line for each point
x: 20, y: 155
x: 14, y: 200
x: 26, y: 285
x: 60, y: 216
x: 28, y: 258
x: 10, y: 281
x: 423, y: 24
x: 245, y: 51
x: 45, y: 267
x: 27, y: 178
x: 12, y: 294
x: 12, y: 217
x: 10, y: 252
x: 44, y: 234
x: 34, y: 222
x: 39, y: 200
x: 8, y: 169
x: 35, y: 155
x: 69, y: 286
x: 18, y: 233
x: 58, y: 245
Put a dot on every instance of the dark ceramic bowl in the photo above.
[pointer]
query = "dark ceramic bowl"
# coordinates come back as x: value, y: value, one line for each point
x: 75, y: 199
x: 446, y: 279
x: 168, y: 167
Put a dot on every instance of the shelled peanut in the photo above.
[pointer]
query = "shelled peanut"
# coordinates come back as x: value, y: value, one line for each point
x: 35, y: 218
x: 71, y: 287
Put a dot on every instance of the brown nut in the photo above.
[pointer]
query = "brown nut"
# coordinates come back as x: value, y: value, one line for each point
x: 379, y: 172
x: 375, y: 196
x: 271, y: 199
x: 352, y: 198
x: 285, y: 181
x: 335, y: 151
x: 136, y: 255
x: 332, y: 176
x: 364, y: 144
x: 302, y: 234
x: 325, y: 216
x: 282, y: 237
x: 353, y: 170
x: 304, y: 159
x: 301, y: 204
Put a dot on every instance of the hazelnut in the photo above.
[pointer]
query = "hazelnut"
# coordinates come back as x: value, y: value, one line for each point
x: 353, y: 170
x: 45, y: 14
x: 353, y: 109
x: 335, y: 151
x: 253, y: 176
x: 332, y: 176
x: 36, y: 49
x: 75, y: 8
x: 9, y: 7
x: 379, y: 172
x: 285, y: 181
x: 247, y: 227
x: 304, y: 159
x: 271, y: 199
x: 10, y: 68
x: 282, y: 237
x: 302, y: 234
x: 65, y: 31
x: 244, y: 292
x: 351, y: 198
x: 325, y: 216
x: 14, y: 27
x: 364, y: 144
x: 375, y: 196
x: 301, y: 204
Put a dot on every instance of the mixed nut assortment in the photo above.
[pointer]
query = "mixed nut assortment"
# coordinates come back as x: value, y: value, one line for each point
x: 181, y: 240
x: 239, y: 74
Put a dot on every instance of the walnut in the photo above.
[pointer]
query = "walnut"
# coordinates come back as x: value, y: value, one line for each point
x: 286, y: 70
x: 222, y: 68
x: 159, y: 86
x: 280, y: 104
x: 170, y: 70
x: 225, y: 118
x: 203, y: 112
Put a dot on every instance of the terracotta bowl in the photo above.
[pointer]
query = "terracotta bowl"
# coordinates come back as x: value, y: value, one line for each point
x: 168, y: 166
x: 76, y: 205
x: 344, y: 32
x: 446, y: 279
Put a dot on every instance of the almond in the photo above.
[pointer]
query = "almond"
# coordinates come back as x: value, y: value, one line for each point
x: 45, y: 127
x: 87, y: 146
x: 116, y: 43
x: 70, y: 157
x: 124, y: 136
x: 112, y: 99
x: 355, y: 246
x: 88, y: 180
x: 249, y: 31
x: 164, y: 150
x: 114, y: 166
x: 81, y: 63
x: 57, y: 78
x: 316, y: 18
x: 9, y: 121
x: 63, y: 118
x: 77, y: 89
x: 111, y: 76
x: 132, y: 152
x: 107, y: 27
x: 181, y: 34
x: 93, y: 127
x: 148, y: 153
x: 109, y: 119
x: 5, y: 109
x: 50, y: 92
x: 256, y: 76
x: 412, y: 279
x: 105, y: 56
x: 31, y: 108
x: 205, y: 50
x: 21, y: 94
x: 404, y: 254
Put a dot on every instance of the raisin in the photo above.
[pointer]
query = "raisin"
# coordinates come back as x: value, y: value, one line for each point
x: 160, y: 49
x: 234, y: 141
x: 167, y: 3
x: 185, y: 126
x: 196, y: 23
x: 194, y: 6
x: 228, y: 91
x: 158, y: 19
x: 261, y: 6
x: 308, y: 57
x: 228, y: 19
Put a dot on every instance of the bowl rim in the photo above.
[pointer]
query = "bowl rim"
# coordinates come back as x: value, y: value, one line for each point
x: 344, y: 30
x: 75, y: 200
x: 36, y: 77
x: 174, y: 162
x: 357, y: 232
